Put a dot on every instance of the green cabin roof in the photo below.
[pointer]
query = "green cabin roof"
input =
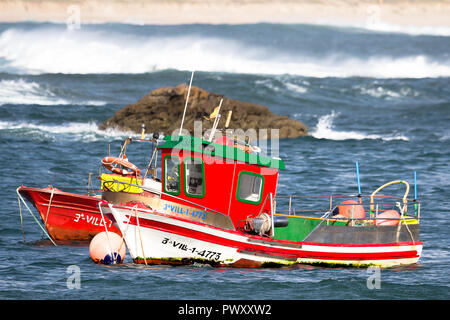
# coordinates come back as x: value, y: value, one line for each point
x: 212, y: 149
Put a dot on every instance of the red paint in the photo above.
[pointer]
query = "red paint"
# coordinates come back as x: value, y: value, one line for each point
x: 221, y: 177
x: 71, y: 216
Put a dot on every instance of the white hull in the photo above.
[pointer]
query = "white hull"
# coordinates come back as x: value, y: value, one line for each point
x: 160, y: 238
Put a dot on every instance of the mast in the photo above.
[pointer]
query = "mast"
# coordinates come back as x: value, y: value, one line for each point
x: 187, y: 99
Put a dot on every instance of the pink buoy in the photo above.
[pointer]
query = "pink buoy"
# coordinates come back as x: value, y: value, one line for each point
x: 346, y: 207
x: 107, y: 248
x: 388, y: 215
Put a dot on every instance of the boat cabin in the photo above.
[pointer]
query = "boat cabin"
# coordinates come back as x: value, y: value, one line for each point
x: 219, y: 176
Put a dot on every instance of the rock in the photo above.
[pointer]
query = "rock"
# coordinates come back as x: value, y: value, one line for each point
x: 161, y: 110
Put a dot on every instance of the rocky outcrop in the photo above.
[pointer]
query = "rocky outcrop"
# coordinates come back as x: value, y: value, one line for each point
x: 161, y: 110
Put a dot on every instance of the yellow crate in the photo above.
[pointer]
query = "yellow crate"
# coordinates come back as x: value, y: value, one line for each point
x: 409, y: 220
x: 108, y: 184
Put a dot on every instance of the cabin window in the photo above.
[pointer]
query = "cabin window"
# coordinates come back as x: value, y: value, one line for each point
x: 194, y: 177
x: 250, y: 187
x: 172, y: 174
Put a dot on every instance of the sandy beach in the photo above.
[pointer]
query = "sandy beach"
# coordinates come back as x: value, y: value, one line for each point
x: 374, y: 13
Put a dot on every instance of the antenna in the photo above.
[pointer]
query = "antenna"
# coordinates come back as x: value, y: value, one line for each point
x: 187, y: 99
x: 415, y: 192
x: 358, y: 182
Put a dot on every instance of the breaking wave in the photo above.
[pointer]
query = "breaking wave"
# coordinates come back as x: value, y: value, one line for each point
x: 53, y: 50
x: 325, y: 130
x: 68, y: 131
x: 24, y: 92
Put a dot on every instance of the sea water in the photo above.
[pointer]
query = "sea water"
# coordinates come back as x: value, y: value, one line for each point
x: 377, y: 97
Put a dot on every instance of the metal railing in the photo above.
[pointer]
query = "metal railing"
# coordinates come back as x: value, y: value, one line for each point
x: 287, y: 204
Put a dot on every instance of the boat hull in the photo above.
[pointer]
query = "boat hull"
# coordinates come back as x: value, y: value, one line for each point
x: 71, y: 216
x: 158, y: 238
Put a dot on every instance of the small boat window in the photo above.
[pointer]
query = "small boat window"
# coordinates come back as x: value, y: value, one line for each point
x: 194, y: 176
x: 250, y: 186
x: 172, y: 174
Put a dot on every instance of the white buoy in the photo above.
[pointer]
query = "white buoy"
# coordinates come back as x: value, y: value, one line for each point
x: 107, y: 248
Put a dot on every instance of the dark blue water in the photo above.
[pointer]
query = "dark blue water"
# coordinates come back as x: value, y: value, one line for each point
x: 382, y: 99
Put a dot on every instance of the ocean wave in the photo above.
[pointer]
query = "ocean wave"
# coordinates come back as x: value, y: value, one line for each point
x: 53, y: 50
x: 410, y: 30
x: 80, y: 131
x: 378, y: 91
x: 25, y: 92
x: 325, y: 130
x: 279, y: 85
x: 377, y: 25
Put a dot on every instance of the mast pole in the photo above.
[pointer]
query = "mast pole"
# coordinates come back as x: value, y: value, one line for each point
x: 185, y: 106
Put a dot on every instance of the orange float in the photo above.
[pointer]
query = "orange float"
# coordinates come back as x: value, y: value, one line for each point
x: 391, y: 218
x: 347, y: 207
x: 112, y: 163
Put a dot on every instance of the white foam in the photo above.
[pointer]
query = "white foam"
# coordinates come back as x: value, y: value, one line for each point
x: 296, y: 88
x: 25, y: 92
x: 52, y: 50
x: 277, y: 87
x: 22, y: 92
x: 378, y: 91
x: 374, y: 22
x: 411, y: 30
x: 71, y: 131
x: 325, y: 130
x: 445, y: 136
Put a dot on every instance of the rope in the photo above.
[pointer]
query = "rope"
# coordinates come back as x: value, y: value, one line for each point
x: 150, y: 163
x: 402, y: 216
x: 324, y: 217
x: 139, y: 230
x: 35, y: 219
x: 124, y: 233
x: 113, y: 254
x: 21, y: 219
x: 49, y: 205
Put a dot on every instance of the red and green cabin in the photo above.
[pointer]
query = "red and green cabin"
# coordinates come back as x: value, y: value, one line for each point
x: 236, y: 183
x: 218, y: 176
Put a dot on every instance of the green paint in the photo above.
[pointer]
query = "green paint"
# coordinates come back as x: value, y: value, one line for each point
x: 195, y: 144
x: 299, y: 227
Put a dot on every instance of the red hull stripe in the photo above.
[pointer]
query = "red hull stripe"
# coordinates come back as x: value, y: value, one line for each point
x: 240, y: 246
x: 278, y: 242
x: 371, y: 245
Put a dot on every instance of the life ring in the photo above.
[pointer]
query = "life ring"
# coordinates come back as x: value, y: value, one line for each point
x: 128, y: 168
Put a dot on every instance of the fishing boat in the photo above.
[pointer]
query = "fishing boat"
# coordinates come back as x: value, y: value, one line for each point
x: 66, y: 215
x: 218, y: 205
x: 72, y: 216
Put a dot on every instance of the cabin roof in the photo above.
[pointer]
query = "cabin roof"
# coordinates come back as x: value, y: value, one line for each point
x: 212, y: 149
